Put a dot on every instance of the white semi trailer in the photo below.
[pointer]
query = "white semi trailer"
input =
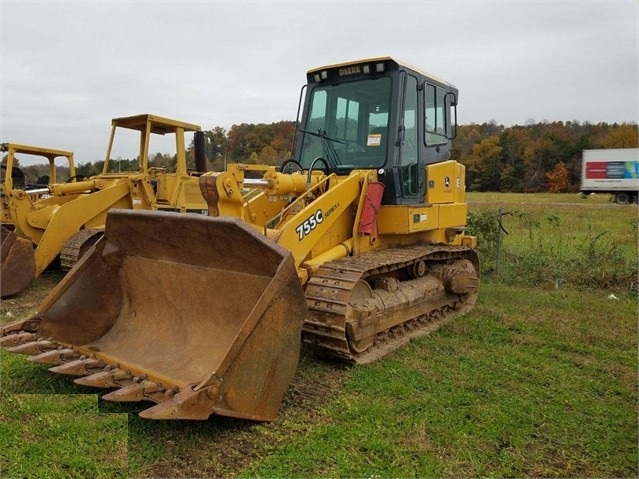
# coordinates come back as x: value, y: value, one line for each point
x: 612, y: 171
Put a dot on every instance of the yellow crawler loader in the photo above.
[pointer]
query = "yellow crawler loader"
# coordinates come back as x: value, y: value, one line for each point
x: 67, y: 218
x: 355, y: 246
x: 14, y: 178
x: 17, y: 260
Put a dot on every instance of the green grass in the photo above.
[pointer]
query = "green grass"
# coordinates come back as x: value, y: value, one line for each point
x: 60, y: 436
x: 539, y: 380
x: 585, y: 245
x: 529, y: 384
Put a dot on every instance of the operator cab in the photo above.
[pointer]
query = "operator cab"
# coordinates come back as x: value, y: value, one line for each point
x: 378, y: 114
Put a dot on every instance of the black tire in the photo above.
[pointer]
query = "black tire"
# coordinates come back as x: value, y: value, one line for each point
x: 622, y: 198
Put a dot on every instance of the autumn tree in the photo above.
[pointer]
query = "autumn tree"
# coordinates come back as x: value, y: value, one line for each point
x: 558, y: 178
x: 283, y: 139
x: 621, y: 136
x: 538, y: 156
x: 512, y: 175
x: 215, y: 140
x: 467, y: 136
x: 485, y: 165
x: 268, y: 156
x: 497, y: 158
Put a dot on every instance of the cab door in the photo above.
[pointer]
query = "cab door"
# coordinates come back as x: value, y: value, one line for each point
x: 412, y: 169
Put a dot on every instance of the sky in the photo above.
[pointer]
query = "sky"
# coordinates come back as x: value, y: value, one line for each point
x: 68, y: 68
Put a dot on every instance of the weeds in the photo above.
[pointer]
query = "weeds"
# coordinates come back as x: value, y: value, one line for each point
x: 557, y: 248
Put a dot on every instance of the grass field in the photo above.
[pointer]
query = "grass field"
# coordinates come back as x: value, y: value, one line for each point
x: 540, y: 379
x: 557, y: 240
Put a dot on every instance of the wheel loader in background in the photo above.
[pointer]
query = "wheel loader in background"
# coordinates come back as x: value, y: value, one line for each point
x: 355, y: 246
x: 16, y: 251
x: 70, y: 216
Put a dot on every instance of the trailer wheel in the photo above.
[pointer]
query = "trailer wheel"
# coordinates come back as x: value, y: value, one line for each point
x: 622, y: 198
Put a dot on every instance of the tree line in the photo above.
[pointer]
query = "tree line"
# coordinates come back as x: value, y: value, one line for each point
x: 245, y: 143
x: 535, y: 157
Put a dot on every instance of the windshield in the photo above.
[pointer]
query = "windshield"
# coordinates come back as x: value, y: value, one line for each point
x: 347, y: 124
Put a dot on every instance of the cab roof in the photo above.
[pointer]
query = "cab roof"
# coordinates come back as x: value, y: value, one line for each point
x: 398, y: 64
x: 159, y: 125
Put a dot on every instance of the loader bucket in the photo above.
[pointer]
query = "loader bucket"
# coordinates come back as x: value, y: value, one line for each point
x: 18, y: 262
x: 201, y: 315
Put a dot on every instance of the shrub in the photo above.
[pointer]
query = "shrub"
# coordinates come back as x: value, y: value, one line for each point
x: 548, y: 248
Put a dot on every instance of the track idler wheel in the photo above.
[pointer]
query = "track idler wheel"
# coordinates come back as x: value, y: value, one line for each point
x: 460, y: 277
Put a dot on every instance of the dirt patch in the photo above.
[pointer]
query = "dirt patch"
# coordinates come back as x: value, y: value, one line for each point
x: 222, y: 447
x: 19, y: 306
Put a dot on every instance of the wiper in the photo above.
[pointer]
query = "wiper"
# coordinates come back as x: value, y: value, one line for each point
x: 321, y: 134
x: 327, y: 145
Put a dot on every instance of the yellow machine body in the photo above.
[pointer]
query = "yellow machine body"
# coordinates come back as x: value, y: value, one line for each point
x: 66, y: 218
x: 14, y: 178
x: 17, y: 260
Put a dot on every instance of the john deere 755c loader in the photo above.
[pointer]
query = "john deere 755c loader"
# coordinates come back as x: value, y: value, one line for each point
x: 355, y: 246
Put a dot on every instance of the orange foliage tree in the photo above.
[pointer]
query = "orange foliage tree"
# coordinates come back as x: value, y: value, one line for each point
x: 558, y: 178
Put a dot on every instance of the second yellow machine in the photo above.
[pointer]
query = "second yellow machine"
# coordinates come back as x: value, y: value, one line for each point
x: 355, y: 246
x: 64, y: 219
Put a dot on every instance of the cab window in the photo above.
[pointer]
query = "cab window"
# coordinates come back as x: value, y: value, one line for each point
x: 409, y: 155
x: 435, y: 119
x: 348, y: 124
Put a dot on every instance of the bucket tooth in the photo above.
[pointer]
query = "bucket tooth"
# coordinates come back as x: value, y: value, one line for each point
x: 186, y: 404
x: 34, y: 347
x: 54, y: 357
x: 17, y: 339
x: 104, y: 379
x: 133, y: 392
x: 79, y: 367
